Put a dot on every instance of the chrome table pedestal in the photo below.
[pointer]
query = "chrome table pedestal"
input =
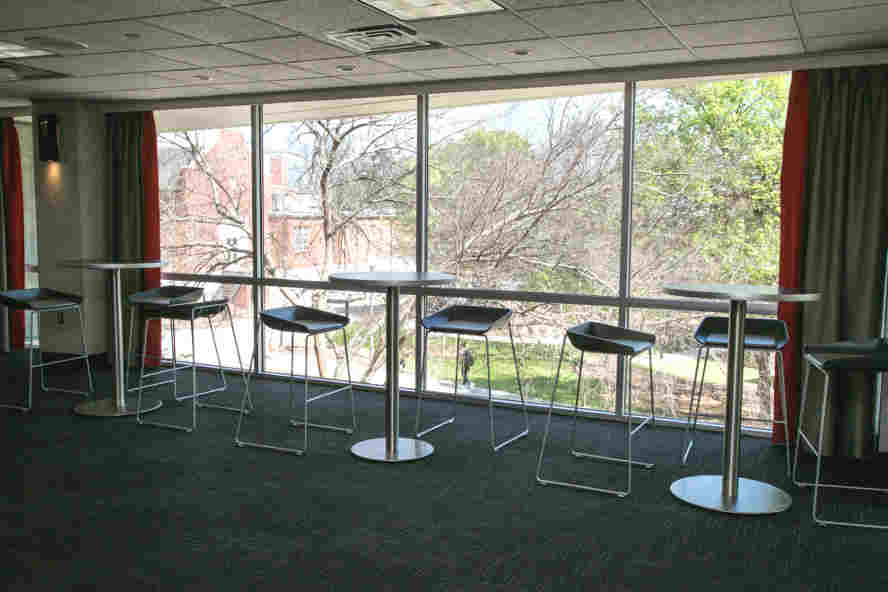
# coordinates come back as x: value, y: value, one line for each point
x: 729, y: 492
x: 391, y: 448
x: 115, y: 406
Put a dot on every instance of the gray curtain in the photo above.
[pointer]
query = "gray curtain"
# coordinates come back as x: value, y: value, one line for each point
x: 124, y: 145
x: 4, y: 280
x: 845, y: 237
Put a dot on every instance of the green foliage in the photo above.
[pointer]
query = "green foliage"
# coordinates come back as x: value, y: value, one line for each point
x: 708, y: 178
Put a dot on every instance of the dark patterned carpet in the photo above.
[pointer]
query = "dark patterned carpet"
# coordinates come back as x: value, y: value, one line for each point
x: 98, y: 504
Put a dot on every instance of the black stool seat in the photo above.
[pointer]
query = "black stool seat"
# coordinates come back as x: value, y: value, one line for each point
x: 766, y: 334
x: 302, y: 319
x: 467, y: 320
x: 607, y: 339
x: 185, y: 311
x: 870, y: 355
x: 167, y: 296
x: 39, y: 299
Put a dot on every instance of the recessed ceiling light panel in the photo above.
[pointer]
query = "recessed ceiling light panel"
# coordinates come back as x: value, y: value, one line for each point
x: 13, y: 50
x: 55, y: 44
x: 411, y: 10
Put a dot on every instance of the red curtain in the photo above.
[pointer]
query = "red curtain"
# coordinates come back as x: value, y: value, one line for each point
x: 792, y: 192
x: 151, y: 217
x: 15, y: 226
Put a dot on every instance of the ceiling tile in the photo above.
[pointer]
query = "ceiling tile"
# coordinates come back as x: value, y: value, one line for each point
x: 429, y: 58
x: 173, y: 92
x: 648, y: 58
x: 362, y: 66
x: 219, y: 26
x: 476, y: 28
x: 314, y: 16
x: 816, y: 5
x: 749, y: 50
x: 310, y: 83
x: 543, y: 66
x: 198, y: 76
x: 240, y: 88
x: 844, y: 22
x: 388, y: 78
x: 467, y: 72
x: 539, y: 49
x: 267, y: 72
x: 531, y: 4
x: 105, y: 37
x: 750, y: 31
x: 624, y: 42
x: 209, y: 56
x: 96, y: 83
x: 840, y: 42
x: 104, y: 63
x: 28, y: 15
x: 591, y: 18
x: 290, y: 49
x: 685, y: 12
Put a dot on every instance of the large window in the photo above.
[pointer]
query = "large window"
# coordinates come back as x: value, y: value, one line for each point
x: 526, y: 195
x: 206, y: 221
x: 526, y: 206
x: 706, y: 207
x: 206, y: 192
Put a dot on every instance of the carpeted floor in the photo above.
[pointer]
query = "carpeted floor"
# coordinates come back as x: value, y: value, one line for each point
x: 102, y: 504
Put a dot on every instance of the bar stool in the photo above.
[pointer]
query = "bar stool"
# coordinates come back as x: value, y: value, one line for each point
x: 35, y: 301
x: 311, y: 322
x: 762, y: 335
x: 180, y: 303
x: 604, y: 339
x: 473, y: 320
x: 850, y: 356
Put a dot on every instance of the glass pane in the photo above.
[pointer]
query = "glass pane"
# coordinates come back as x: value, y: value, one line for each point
x: 706, y: 202
x: 675, y: 358
x: 206, y: 189
x: 365, y: 333
x: 26, y: 149
x: 526, y: 194
x: 229, y: 343
x: 339, y: 190
x: 538, y: 330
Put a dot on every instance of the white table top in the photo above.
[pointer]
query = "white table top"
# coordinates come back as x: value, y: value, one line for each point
x: 739, y: 292
x: 109, y: 264
x: 391, y: 279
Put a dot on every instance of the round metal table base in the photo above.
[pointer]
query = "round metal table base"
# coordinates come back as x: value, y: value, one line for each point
x: 408, y: 449
x: 108, y: 408
x: 753, y: 497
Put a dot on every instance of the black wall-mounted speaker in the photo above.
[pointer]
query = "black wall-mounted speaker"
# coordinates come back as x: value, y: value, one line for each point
x: 48, y: 137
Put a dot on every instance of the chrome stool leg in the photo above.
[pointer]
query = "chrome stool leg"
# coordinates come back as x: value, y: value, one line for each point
x: 452, y: 413
x: 305, y: 424
x: 630, y: 431
x: 82, y: 356
x: 690, y: 433
x: 818, y: 451
x: 224, y: 382
x: 526, y: 430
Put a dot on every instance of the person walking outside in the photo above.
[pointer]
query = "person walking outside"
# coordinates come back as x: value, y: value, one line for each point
x: 468, y: 362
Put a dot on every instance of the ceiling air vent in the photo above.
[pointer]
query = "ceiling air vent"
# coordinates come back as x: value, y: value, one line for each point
x: 380, y: 38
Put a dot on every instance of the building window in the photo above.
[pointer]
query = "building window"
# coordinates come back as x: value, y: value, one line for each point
x: 300, y: 239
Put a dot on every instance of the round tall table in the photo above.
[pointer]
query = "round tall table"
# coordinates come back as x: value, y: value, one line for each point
x: 392, y: 447
x: 729, y: 492
x: 116, y: 405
